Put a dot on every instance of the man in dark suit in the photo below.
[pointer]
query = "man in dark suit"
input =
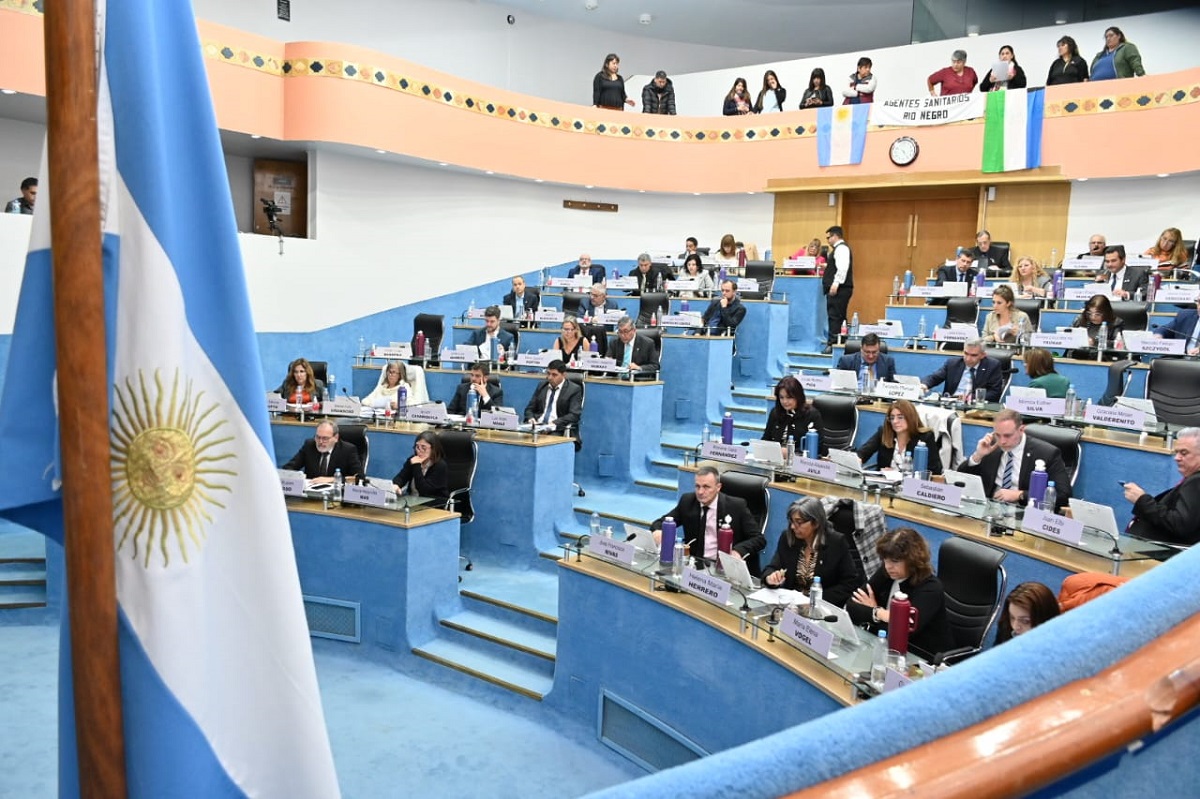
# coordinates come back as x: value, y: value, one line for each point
x: 1123, y: 281
x: 871, y: 360
x: 323, y: 454
x: 597, y: 303
x: 491, y: 393
x: 726, y: 312
x: 700, y: 513
x: 633, y: 352
x: 961, y: 271
x: 557, y: 401
x: 837, y: 284
x: 650, y: 276
x: 522, y: 298
x: 987, y: 256
x: 1004, y: 460
x: 491, y: 336
x: 1174, y: 515
x: 1185, y: 325
x: 585, y: 267
x: 975, y: 369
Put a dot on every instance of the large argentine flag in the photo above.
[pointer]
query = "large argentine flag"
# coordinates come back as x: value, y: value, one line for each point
x: 1012, y: 132
x: 842, y: 134
x: 218, y: 686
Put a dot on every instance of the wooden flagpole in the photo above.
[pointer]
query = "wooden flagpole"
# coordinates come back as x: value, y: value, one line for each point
x: 71, y: 90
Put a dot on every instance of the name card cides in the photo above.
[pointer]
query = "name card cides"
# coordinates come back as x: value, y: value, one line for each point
x: 724, y: 452
x: 1041, y: 522
x: 929, y: 491
x: 365, y: 495
x: 806, y: 633
x: 1037, y: 406
x: 611, y: 549
x: 705, y: 586
x: 822, y: 470
x: 1115, y: 416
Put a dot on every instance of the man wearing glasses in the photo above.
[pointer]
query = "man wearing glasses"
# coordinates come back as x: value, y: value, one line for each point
x: 323, y: 454
x: 1096, y: 245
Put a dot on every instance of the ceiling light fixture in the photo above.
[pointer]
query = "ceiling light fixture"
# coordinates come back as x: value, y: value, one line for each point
x: 972, y: 30
x: 645, y: 19
x: 255, y: 136
x: 8, y: 91
x: 1164, y: 174
x: 591, y: 5
x: 381, y: 152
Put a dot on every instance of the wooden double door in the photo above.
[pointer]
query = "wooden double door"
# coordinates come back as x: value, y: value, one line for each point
x: 890, y: 231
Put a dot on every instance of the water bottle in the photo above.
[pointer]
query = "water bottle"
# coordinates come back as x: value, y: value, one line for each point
x: 899, y: 621
x: 854, y: 324
x: 666, y: 547
x: 495, y: 356
x: 654, y: 319
x: 812, y: 443
x: 814, y: 599
x: 791, y: 449
x: 921, y: 329
x: 420, y: 343
x: 339, y: 485
x: 725, y: 536
x: 402, y: 400
x: 921, y: 459
x: 1060, y: 278
x: 683, y: 306
x: 727, y: 428
x: 1102, y: 340
x: 721, y: 276
x: 331, y: 388
x: 616, y: 274
x: 895, y: 285
x: 593, y: 346
x: 980, y: 279
x: 594, y: 525
x: 362, y: 347
x: 1050, y: 498
x: 1069, y: 404
x: 471, y: 307
x: 704, y: 434
x: 879, y: 661
x: 1050, y: 290
x: 908, y: 280
x: 679, y: 554
x: 1037, y: 483
x: 472, y: 405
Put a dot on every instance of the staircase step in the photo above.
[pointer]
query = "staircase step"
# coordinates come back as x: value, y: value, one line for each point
x: 669, y: 486
x: 23, y: 574
x: 487, y: 667
x: 530, y: 597
x: 745, y: 409
x: 20, y: 543
x: 504, y: 633
x: 26, y: 598
x: 619, y: 517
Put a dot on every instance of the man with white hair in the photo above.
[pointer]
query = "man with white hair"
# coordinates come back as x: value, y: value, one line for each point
x: 1174, y: 515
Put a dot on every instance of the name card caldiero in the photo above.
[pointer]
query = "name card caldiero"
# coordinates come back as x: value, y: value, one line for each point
x: 705, y: 586
x: 1177, y: 292
x: 1051, y: 525
x: 292, y: 483
x: 1156, y: 346
x: 1085, y: 292
x: 627, y: 282
x: 897, y: 390
x: 810, y: 467
x: 680, y: 320
x: 275, y: 403
x: 535, y: 358
x: 1076, y: 338
x: 548, y: 315
x: 815, y: 382
x: 1115, y: 416
x: 929, y: 491
x: 807, y: 633
x: 499, y: 421
x: 374, y: 496
x: 723, y: 452
x: 611, y: 549
x: 1037, y: 406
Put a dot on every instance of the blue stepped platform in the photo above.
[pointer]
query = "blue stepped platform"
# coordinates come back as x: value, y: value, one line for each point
x: 22, y: 568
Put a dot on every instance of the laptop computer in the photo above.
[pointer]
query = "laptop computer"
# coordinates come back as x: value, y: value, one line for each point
x: 847, y: 460
x: 1093, y: 514
x: 908, y: 380
x: 766, y: 451
x: 843, y: 628
x: 971, y: 485
x: 736, y: 571
x: 843, y: 379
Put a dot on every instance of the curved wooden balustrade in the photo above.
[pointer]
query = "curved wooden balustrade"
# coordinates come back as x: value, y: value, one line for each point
x: 1040, y: 742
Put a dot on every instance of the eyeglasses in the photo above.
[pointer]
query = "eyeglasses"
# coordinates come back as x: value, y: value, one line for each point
x: 323, y: 438
x: 422, y: 447
x: 895, y: 417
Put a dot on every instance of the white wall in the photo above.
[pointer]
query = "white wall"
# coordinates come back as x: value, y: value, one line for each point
x: 536, y: 56
x: 902, y: 71
x: 1132, y: 211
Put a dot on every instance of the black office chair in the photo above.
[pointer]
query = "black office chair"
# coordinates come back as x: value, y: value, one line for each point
x: 320, y: 371
x: 974, y: 580
x: 1171, y: 386
x: 572, y: 302
x: 1005, y: 357
x: 854, y: 345
x: 597, y: 332
x: 433, y: 326
x: 753, y: 489
x: 1119, y: 375
x: 356, y: 434
x: 839, y: 420
x: 1033, y: 309
x: 655, y: 336
x: 962, y: 310
x: 1132, y: 314
x: 649, y: 303
x: 764, y: 273
x: 578, y: 379
x: 1065, y: 439
x: 462, y: 456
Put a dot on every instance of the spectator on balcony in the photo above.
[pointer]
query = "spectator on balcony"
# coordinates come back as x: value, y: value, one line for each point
x: 1118, y: 59
x: 958, y: 78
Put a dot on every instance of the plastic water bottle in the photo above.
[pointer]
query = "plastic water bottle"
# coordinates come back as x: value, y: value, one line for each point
x: 654, y: 319
x: 908, y: 280
x: 814, y: 599
x: 704, y: 434
x: 402, y: 400
x: 1050, y: 500
x: 854, y: 324
x: 1070, y: 403
x: 921, y: 330
x: 879, y: 661
x: 666, y: 548
x: 471, y: 307
x: 1102, y: 341
x: 895, y: 285
x: 593, y: 346
x: 727, y: 428
x: 594, y: 525
x: 472, y: 405
x: 339, y: 485
x: 921, y: 458
x: 1060, y: 278
x: 362, y: 347
x: 684, y: 307
x: 791, y: 449
x: 331, y: 388
x: 1037, y: 483
x: 679, y: 554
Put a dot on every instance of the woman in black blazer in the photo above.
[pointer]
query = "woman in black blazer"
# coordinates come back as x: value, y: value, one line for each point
x: 808, y: 549
x: 908, y: 568
x: 425, y: 474
x: 792, y: 415
x: 902, y: 429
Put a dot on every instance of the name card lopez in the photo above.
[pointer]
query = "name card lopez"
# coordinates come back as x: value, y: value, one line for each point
x: 929, y: 491
x: 1116, y: 416
x: 611, y: 549
x: 1051, y: 525
x: 822, y: 470
x: 723, y: 452
x: 705, y: 586
x: 806, y: 633
x: 1037, y: 406
x: 897, y: 390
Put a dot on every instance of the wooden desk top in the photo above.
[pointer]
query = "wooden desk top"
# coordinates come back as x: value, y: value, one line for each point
x: 383, y: 516
x: 482, y: 434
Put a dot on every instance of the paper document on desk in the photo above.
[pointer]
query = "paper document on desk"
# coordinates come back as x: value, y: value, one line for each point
x: 778, y: 596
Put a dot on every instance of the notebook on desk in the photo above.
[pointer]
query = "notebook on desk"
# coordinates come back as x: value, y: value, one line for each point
x: 971, y: 484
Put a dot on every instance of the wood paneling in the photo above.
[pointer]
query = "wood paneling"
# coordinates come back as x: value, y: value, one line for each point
x: 798, y: 219
x: 1033, y: 218
x: 965, y: 177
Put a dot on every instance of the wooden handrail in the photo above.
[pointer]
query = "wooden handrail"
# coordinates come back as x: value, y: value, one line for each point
x: 1044, y: 740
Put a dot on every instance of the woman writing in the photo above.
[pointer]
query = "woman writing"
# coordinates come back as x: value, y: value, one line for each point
x: 1027, y: 606
x: 1014, y: 78
x: 907, y: 569
x: 694, y: 270
x: 738, y: 100
x: 1069, y: 67
x: 425, y: 474
x: 1096, y: 312
x: 901, y: 431
x: 1039, y: 366
x: 1169, y: 250
x: 608, y: 87
x: 1006, y: 321
x: 808, y: 548
x: 386, y: 393
x: 300, y: 377
x: 792, y: 416
x: 771, y: 96
x: 1030, y: 278
x: 570, y: 341
x: 818, y: 94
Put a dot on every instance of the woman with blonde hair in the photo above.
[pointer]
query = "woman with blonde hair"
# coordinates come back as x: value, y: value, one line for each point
x: 387, y: 391
x: 1031, y: 278
x: 1169, y: 250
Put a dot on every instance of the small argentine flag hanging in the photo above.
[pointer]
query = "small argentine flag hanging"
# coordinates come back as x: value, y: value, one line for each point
x: 1012, y: 131
x: 842, y: 134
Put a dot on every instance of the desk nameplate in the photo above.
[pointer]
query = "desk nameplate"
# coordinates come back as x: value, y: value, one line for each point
x: 929, y: 491
x: 612, y: 549
x: 1037, y: 406
x: 292, y: 483
x: 372, y: 496
x: 1051, y: 525
x: 893, y: 679
x: 1156, y: 346
x: 705, y: 586
x: 806, y: 633
x: 724, y: 452
x: 1115, y: 416
x: 811, y: 467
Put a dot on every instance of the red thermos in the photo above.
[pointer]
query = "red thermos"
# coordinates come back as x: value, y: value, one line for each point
x: 902, y: 620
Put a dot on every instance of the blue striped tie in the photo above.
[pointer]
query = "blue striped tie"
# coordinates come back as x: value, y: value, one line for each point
x: 1007, y: 480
